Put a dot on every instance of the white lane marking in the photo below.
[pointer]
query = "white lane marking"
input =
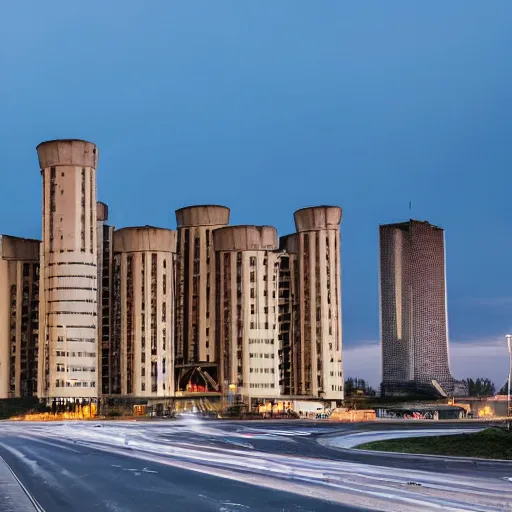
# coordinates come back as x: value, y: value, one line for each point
x: 31, y: 498
x: 49, y: 443
x: 349, y: 482
x: 46, y: 476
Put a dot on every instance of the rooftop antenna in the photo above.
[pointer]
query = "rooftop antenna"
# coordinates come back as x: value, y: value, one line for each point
x: 410, y: 206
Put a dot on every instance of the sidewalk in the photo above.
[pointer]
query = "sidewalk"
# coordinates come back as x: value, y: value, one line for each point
x: 13, y: 497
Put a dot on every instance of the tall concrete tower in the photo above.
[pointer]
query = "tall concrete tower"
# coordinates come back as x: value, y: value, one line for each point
x: 195, y: 291
x: 319, y: 347
x: 105, y: 237
x: 289, y: 315
x: 247, y: 301
x: 414, y: 329
x: 19, y: 302
x: 69, y: 283
x: 144, y: 312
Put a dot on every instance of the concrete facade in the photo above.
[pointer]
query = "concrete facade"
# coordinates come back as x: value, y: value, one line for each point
x: 143, y: 325
x: 318, y: 348
x: 19, y: 306
x: 289, y: 316
x: 195, y: 278
x: 69, y: 281
x: 413, y: 314
x: 247, y: 310
x: 105, y: 238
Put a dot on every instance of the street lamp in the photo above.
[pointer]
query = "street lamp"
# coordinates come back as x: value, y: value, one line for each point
x: 509, y: 343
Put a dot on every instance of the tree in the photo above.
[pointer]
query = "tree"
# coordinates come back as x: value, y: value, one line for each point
x: 504, y: 389
x: 358, y: 387
x: 480, y: 387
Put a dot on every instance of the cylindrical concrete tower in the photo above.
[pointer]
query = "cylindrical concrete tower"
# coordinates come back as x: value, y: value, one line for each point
x: 195, y: 274
x: 143, y: 342
x: 247, y: 306
x: 318, y: 232
x: 68, y: 299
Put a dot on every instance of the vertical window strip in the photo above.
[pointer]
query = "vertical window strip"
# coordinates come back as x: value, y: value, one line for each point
x: 82, y: 213
x: 92, y: 204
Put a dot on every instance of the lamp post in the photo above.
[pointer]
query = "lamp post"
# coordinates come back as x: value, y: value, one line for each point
x: 509, y: 343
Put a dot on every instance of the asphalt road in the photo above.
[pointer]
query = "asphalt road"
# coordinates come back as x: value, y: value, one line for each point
x: 258, y: 466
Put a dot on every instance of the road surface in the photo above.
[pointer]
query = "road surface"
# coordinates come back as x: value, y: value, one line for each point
x: 237, y: 466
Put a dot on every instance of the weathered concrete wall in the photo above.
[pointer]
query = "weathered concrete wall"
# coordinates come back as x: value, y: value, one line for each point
x: 245, y: 238
x: 318, y: 217
x: 144, y: 238
x: 79, y: 153
x: 202, y: 215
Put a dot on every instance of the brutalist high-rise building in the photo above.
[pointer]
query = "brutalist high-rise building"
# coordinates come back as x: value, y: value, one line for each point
x: 68, y: 333
x: 247, y: 266
x: 195, y: 295
x: 106, y: 358
x: 142, y: 359
x: 317, y: 351
x: 19, y: 305
x: 413, y: 313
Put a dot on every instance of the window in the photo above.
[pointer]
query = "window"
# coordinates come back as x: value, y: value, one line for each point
x: 253, y: 294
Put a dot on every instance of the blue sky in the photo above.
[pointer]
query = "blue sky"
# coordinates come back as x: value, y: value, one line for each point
x: 269, y: 106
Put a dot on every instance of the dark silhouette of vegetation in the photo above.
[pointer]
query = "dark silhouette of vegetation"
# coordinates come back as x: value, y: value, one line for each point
x: 504, y: 389
x: 481, y: 387
x: 358, y: 387
x: 20, y: 406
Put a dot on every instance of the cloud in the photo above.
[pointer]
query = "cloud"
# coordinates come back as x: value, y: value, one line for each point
x: 490, y: 302
x: 487, y: 357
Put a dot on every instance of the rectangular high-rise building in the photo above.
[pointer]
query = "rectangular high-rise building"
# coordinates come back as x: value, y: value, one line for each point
x: 413, y: 315
x: 19, y: 305
x: 68, y: 334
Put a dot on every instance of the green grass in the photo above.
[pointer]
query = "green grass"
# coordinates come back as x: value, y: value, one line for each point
x: 491, y: 443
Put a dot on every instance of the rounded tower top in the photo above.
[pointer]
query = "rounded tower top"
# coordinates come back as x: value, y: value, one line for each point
x: 245, y: 238
x: 101, y: 211
x: 289, y: 243
x: 144, y: 238
x: 202, y: 215
x: 77, y: 152
x: 317, y: 218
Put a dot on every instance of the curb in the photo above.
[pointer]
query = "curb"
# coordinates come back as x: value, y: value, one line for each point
x: 32, y: 500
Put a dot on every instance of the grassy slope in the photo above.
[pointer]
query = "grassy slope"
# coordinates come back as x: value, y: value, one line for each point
x: 492, y: 443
